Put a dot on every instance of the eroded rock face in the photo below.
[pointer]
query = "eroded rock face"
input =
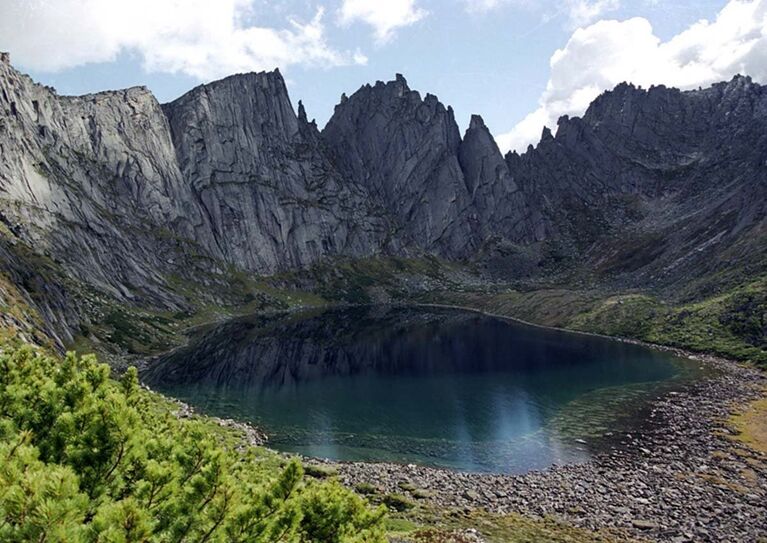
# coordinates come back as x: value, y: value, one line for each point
x: 121, y: 194
x: 650, y: 189
x: 404, y: 150
x: 269, y: 198
x: 657, y: 187
x: 92, y: 182
x: 499, y: 203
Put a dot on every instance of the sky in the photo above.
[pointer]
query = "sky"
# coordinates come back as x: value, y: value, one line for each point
x: 519, y: 63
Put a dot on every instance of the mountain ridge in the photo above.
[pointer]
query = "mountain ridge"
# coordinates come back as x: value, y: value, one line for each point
x: 132, y: 201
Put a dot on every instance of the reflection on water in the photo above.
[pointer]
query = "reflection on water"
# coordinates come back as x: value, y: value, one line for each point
x: 438, y: 387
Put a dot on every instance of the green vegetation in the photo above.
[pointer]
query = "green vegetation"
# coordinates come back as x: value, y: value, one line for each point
x: 85, y: 458
x: 751, y: 424
x: 15, y: 315
x: 544, y: 306
x: 26, y: 278
x: 397, y: 502
x: 123, y: 332
x: 376, y: 279
x: 732, y: 324
x: 428, y: 525
x: 320, y: 472
x: 365, y: 488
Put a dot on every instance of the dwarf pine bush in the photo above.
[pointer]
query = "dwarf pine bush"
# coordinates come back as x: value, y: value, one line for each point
x: 86, y: 459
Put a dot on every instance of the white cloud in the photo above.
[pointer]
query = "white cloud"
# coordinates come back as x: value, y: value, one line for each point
x: 576, y: 12
x: 385, y: 16
x: 600, y: 56
x: 582, y: 12
x: 201, y: 38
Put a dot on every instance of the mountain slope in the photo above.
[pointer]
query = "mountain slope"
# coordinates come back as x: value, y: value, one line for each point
x: 657, y: 187
x: 404, y: 150
x: 270, y: 200
x: 112, y: 201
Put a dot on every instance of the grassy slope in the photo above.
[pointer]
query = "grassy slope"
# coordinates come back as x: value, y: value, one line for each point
x: 751, y: 423
x: 732, y: 324
x: 452, y: 527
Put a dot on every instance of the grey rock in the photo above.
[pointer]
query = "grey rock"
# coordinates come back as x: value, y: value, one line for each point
x: 92, y: 183
x: 650, y: 189
x: 655, y: 187
x: 499, y: 204
x: 269, y: 198
x: 404, y: 150
x: 645, y: 524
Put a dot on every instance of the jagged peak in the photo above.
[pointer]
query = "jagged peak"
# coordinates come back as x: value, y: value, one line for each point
x: 303, y: 118
x: 546, y: 134
x: 624, y: 85
x: 738, y: 81
x: 135, y: 91
x: 394, y: 90
x: 301, y: 111
x: 477, y: 122
x: 265, y: 76
x: 5, y: 57
x: 741, y: 78
x: 399, y: 82
x: 628, y: 91
x: 478, y: 129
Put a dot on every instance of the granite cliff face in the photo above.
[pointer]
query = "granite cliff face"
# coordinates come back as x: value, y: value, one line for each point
x: 651, y: 187
x: 88, y: 185
x: 657, y: 187
x: 268, y: 197
x: 113, y: 196
x: 449, y: 194
x: 404, y: 150
x: 499, y: 202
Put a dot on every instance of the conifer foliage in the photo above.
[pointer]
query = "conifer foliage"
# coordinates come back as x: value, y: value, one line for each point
x: 86, y: 459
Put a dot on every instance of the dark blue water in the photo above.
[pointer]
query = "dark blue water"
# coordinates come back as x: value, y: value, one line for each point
x: 436, y: 387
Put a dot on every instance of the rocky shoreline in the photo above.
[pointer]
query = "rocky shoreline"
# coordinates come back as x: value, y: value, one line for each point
x: 680, y: 478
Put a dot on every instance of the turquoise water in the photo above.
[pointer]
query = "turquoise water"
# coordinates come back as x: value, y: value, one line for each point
x: 436, y: 387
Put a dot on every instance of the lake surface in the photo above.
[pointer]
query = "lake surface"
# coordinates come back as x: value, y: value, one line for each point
x: 437, y: 387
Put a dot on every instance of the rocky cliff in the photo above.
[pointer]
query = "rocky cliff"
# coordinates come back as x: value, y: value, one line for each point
x: 88, y: 187
x: 657, y: 187
x: 112, y: 196
x: 404, y: 150
x: 126, y: 198
x: 268, y: 197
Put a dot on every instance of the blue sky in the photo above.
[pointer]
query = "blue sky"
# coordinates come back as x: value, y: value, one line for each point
x: 497, y: 58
